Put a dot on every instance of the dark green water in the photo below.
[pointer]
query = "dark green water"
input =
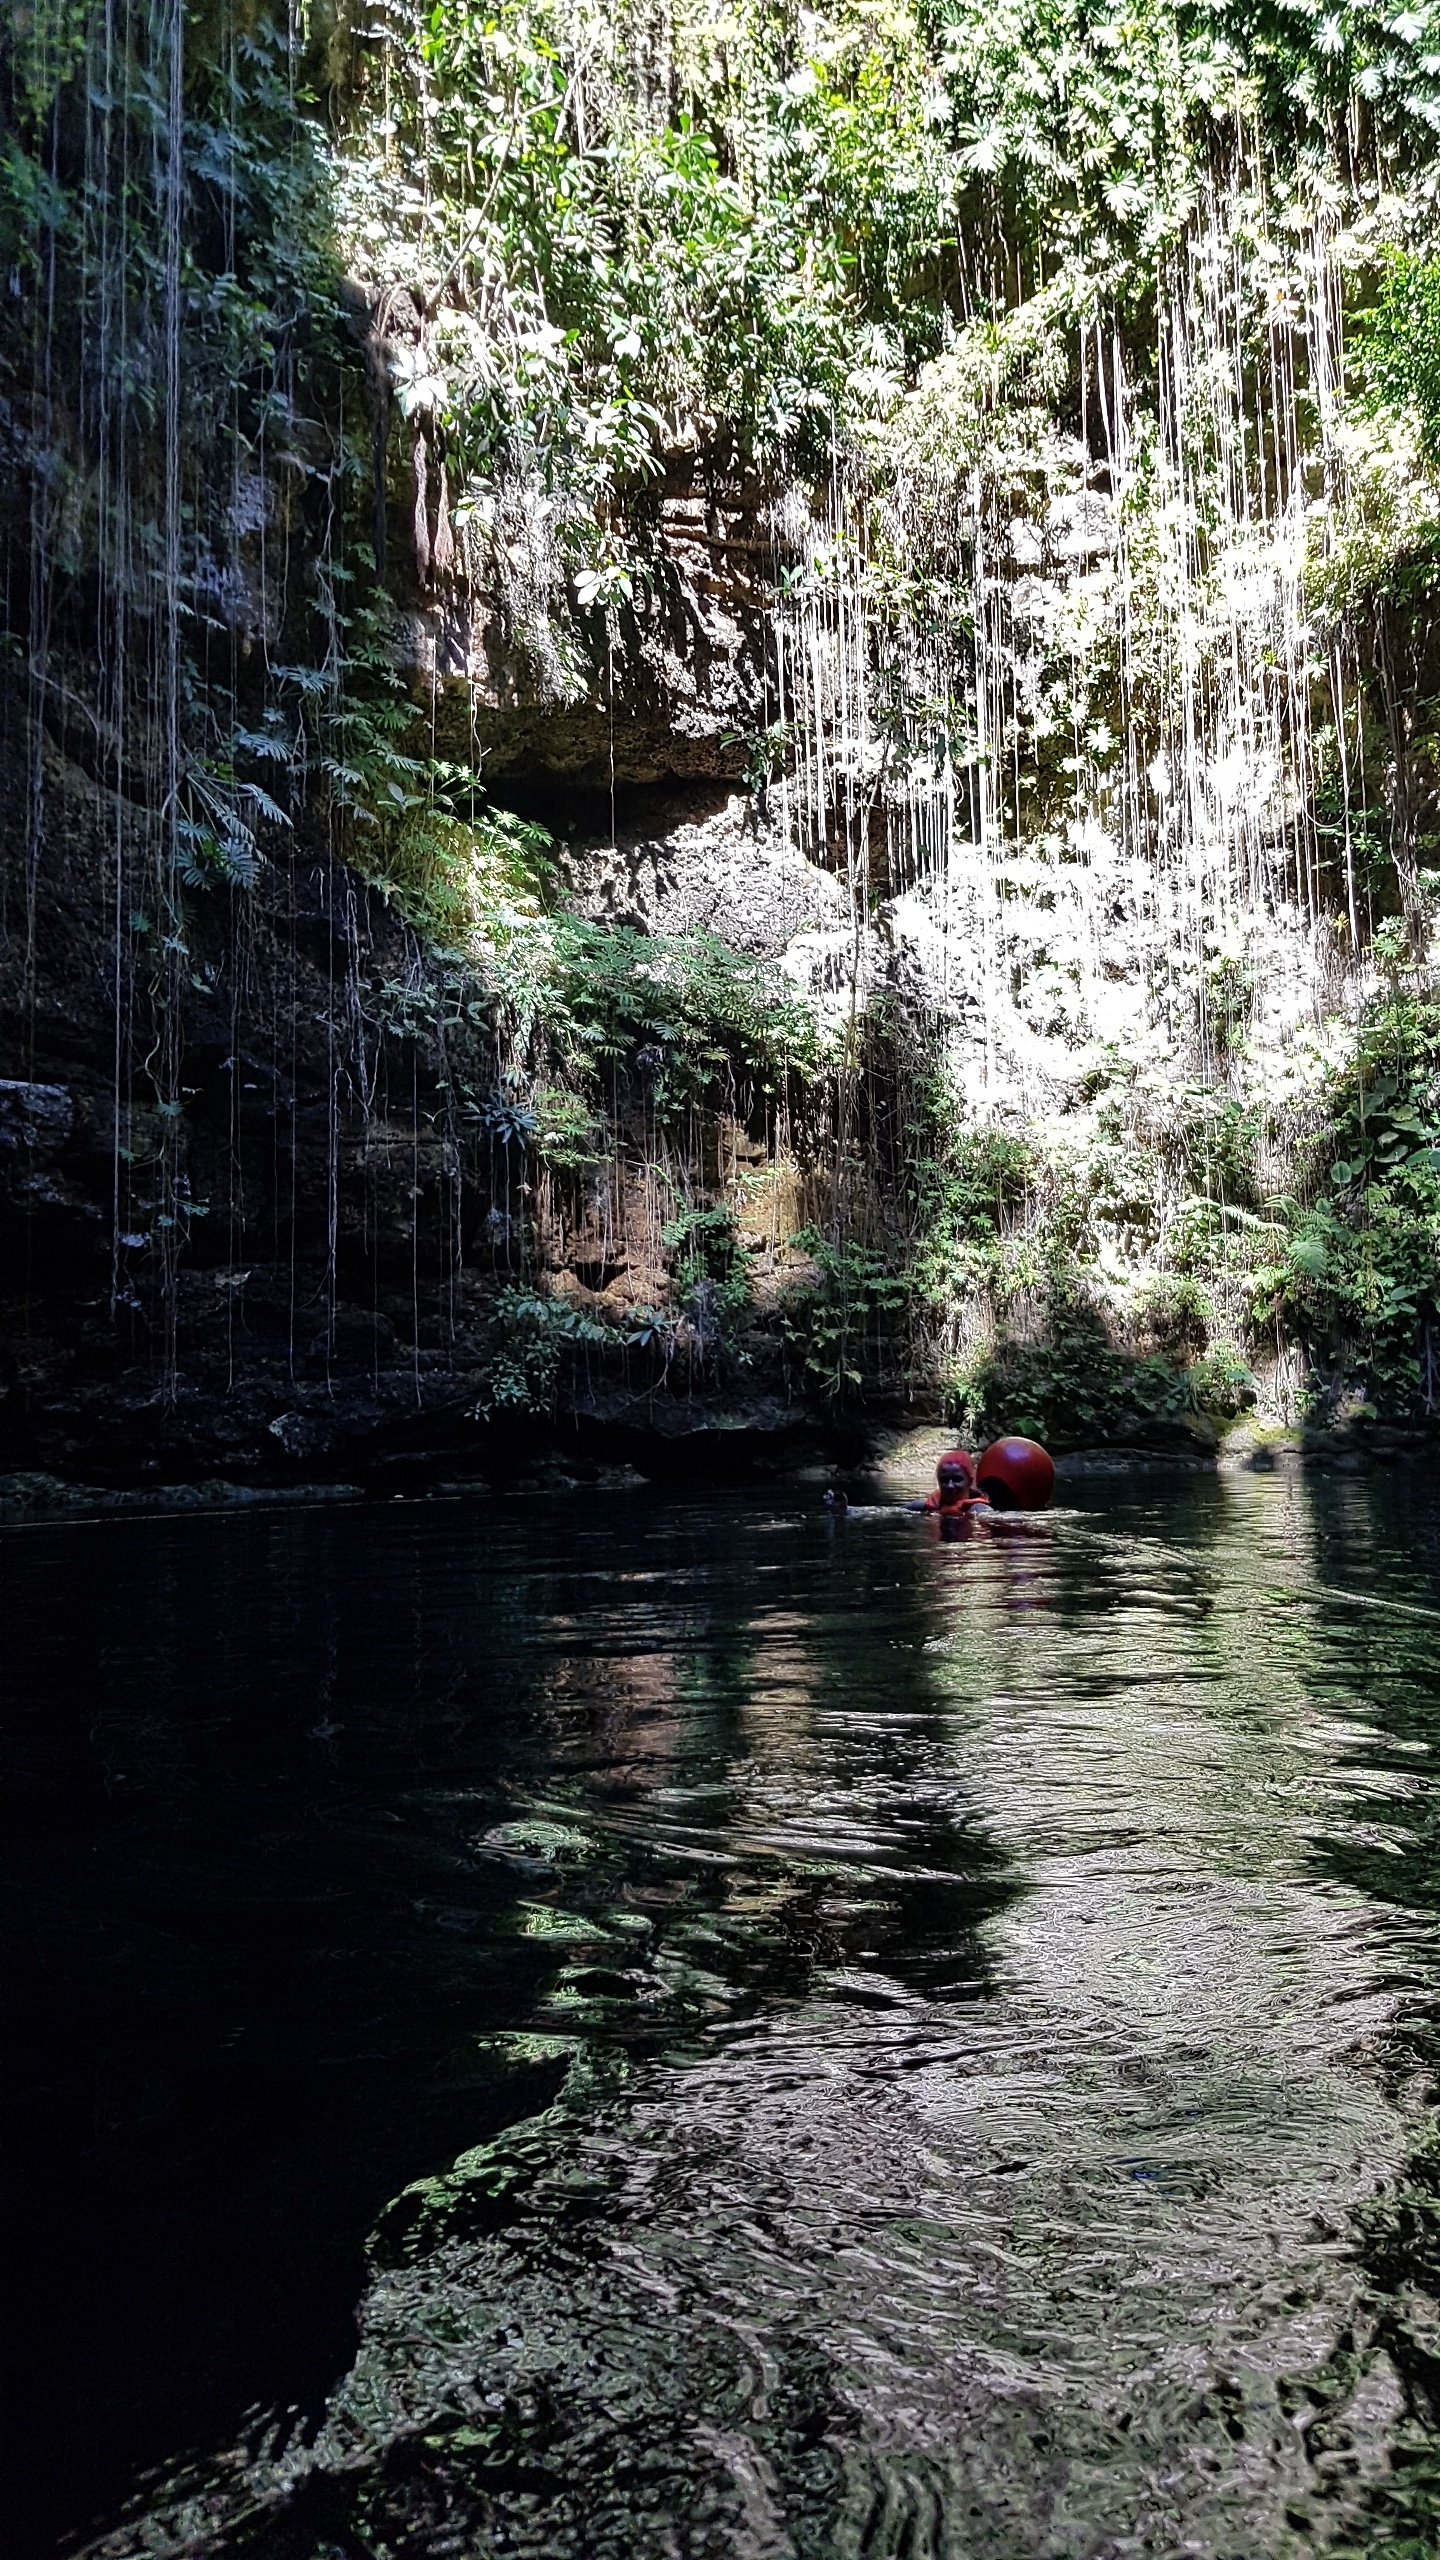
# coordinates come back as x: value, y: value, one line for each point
x: 964, y: 2012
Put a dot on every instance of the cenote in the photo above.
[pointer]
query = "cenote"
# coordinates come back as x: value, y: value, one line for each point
x: 719, y: 761
x: 797, y: 2037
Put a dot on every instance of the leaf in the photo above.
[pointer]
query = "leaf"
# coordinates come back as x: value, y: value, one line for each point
x: 262, y: 803
x: 1309, y: 1255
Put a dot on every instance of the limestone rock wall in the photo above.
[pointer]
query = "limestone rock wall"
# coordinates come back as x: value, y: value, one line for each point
x: 717, y: 861
x: 321, y: 1306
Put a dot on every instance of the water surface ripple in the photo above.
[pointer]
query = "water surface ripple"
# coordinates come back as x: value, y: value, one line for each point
x: 964, y: 2011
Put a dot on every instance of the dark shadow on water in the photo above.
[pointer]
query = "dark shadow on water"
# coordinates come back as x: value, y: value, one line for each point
x: 256, y: 1936
x: 238, y: 2007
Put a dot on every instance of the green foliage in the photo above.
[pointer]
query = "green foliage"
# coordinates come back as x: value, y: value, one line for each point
x: 1221, y: 1385
x: 778, y: 244
x: 530, y: 1337
x: 33, y: 207
x: 1075, y: 1388
x: 1176, y: 1312
x: 215, y: 825
x: 461, y: 882
x: 568, y: 1136
x: 603, y: 270
x: 684, y: 1024
x: 47, y: 40
x: 262, y: 314
x: 989, y: 1176
x: 598, y: 1023
x: 1306, y: 71
x: 1071, y: 1391
x: 686, y: 1021
x: 1080, y: 118
x: 971, y: 1184
x: 839, y: 1329
x: 1354, y: 1272
x: 192, y: 400
x: 1358, y: 1291
x: 711, y: 1267
x: 1403, y: 341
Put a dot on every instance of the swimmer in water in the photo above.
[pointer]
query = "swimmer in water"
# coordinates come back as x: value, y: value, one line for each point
x: 957, y: 1496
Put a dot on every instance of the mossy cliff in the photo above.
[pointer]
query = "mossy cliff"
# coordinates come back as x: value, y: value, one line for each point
x: 720, y: 727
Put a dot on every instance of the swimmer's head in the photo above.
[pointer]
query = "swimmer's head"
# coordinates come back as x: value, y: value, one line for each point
x: 956, y: 1472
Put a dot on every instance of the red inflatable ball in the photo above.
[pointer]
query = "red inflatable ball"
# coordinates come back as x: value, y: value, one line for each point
x: 1018, y: 1475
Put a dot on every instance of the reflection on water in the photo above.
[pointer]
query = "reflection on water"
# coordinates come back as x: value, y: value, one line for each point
x: 954, y: 2006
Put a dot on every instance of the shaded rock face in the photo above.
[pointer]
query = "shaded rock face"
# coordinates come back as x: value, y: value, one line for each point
x: 293, y: 1275
x: 673, y: 689
x: 130, y: 1345
x: 294, y: 1278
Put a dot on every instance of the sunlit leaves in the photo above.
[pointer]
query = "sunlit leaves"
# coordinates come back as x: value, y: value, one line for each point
x: 1403, y: 341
